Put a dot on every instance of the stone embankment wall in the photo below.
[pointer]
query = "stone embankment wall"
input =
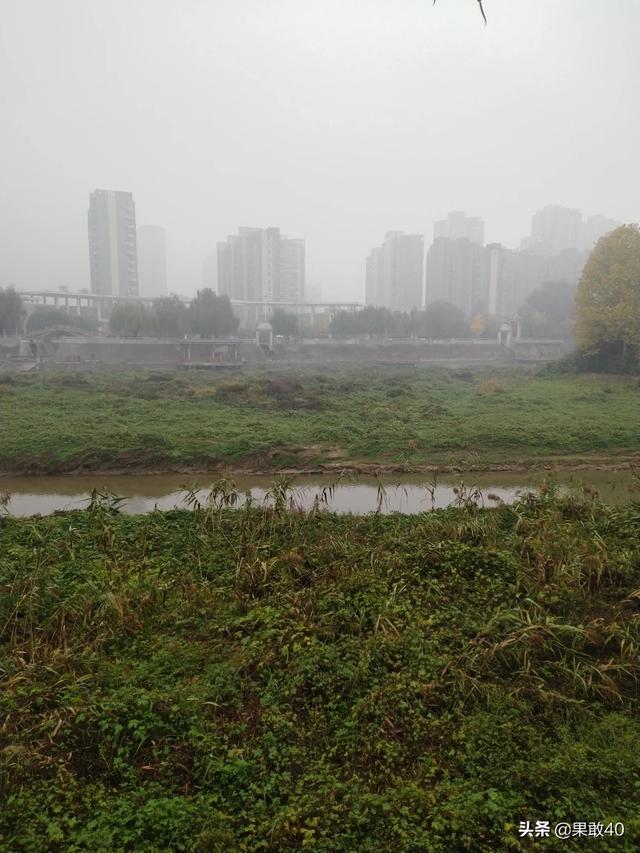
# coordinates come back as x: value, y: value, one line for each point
x: 149, y: 351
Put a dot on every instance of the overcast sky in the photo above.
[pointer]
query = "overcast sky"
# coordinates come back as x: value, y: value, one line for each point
x: 335, y: 120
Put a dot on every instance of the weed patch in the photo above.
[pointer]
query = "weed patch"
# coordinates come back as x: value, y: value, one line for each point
x: 269, y: 679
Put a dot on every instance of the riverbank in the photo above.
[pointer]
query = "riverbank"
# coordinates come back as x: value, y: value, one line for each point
x: 551, y: 465
x: 310, y: 421
x: 268, y: 680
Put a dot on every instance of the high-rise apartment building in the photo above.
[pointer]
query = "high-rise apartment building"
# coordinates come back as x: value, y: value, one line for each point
x: 152, y: 261
x: 394, y: 272
x: 556, y: 228
x: 457, y: 226
x: 457, y: 273
x: 261, y: 265
x: 292, y: 269
x: 113, y: 254
x: 493, y: 279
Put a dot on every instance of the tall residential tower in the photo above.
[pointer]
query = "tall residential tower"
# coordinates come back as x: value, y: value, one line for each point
x: 113, y: 253
x: 261, y: 265
x: 458, y: 226
x: 152, y: 261
x: 394, y: 272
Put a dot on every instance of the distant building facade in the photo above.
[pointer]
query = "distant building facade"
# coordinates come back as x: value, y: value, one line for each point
x: 495, y: 280
x: 292, y: 270
x: 260, y: 264
x: 210, y: 272
x: 456, y: 273
x: 113, y: 256
x: 152, y: 261
x: 555, y: 229
x: 456, y: 269
x: 394, y: 272
x: 458, y: 226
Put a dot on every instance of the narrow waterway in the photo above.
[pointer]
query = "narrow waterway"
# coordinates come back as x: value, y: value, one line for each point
x: 360, y: 494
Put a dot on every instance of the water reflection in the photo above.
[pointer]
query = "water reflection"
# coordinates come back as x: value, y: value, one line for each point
x: 402, y: 493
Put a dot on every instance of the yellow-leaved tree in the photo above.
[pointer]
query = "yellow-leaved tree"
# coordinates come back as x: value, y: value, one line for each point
x: 607, y: 307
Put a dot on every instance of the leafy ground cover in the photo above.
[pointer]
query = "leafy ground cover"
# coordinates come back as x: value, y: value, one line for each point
x: 313, y: 418
x: 265, y: 679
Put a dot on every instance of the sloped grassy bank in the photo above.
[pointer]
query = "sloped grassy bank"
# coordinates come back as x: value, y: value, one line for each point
x: 316, y: 418
x: 272, y: 680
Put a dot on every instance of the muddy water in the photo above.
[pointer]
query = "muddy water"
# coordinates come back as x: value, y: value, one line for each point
x: 402, y: 493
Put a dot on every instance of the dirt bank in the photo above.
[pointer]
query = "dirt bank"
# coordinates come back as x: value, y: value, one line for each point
x: 622, y: 462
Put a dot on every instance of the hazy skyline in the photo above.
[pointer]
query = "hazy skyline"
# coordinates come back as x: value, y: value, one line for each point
x: 334, y: 121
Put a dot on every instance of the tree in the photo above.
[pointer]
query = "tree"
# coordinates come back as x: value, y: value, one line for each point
x: 210, y: 315
x: 443, y: 320
x: 343, y: 325
x: 370, y: 321
x: 284, y: 324
x: 11, y: 311
x: 547, y: 311
x: 170, y: 318
x: 484, y: 325
x: 607, y: 307
x: 131, y: 319
x: 48, y: 317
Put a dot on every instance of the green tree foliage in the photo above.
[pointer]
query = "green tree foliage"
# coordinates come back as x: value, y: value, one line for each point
x: 131, y: 320
x: 284, y: 324
x: 372, y: 321
x: 47, y: 317
x: 607, y: 310
x: 547, y: 312
x: 442, y: 320
x: 210, y: 315
x: 439, y: 320
x: 484, y: 325
x: 369, y: 321
x: 170, y: 318
x: 11, y: 311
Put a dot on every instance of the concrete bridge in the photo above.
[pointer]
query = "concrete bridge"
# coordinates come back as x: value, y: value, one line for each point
x: 101, y: 304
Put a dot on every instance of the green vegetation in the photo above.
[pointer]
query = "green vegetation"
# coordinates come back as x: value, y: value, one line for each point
x: 547, y: 311
x: 284, y: 324
x: 439, y: 320
x: 608, y: 299
x: 313, y: 418
x: 545, y: 314
x: 48, y: 317
x: 208, y: 315
x: 11, y: 311
x: 264, y: 679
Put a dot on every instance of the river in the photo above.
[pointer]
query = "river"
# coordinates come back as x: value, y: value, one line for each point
x: 360, y: 494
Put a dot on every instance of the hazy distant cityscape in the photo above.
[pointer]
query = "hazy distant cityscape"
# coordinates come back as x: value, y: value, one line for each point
x: 260, y: 265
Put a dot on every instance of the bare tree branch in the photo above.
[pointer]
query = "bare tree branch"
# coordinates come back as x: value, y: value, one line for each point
x: 481, y: 9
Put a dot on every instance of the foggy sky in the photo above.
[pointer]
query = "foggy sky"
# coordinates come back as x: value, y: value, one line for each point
x: 335, y: 120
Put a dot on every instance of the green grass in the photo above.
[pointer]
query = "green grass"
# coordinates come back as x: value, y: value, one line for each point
x: 308, y: 418
x: 267, y: 680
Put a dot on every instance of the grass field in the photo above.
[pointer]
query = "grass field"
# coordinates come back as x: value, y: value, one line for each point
x: 271, y: 680
x: 312, y: 418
